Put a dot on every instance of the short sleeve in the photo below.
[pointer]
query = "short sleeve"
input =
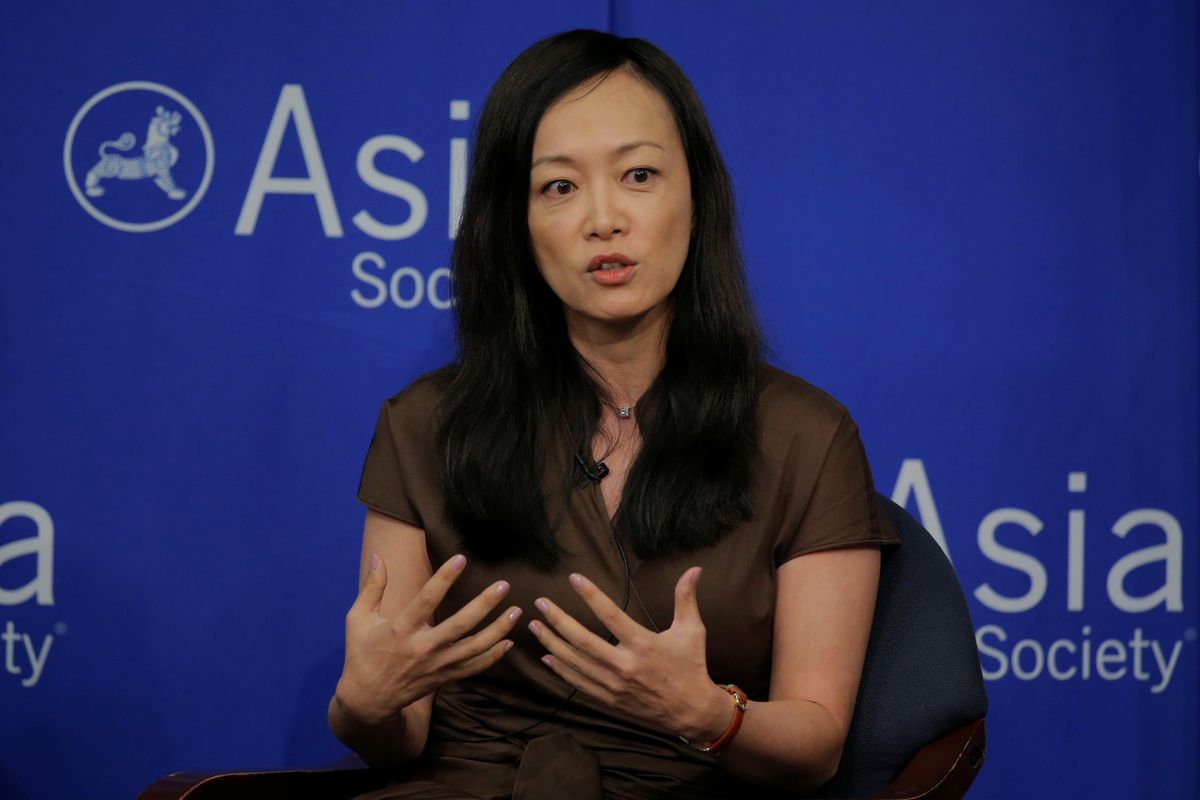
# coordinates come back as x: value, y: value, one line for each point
x: 381, y: 487
x: 842, y: 509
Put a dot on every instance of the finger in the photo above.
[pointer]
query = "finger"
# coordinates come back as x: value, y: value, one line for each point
x: 420, y: 609
x: 579, y: 680
x: 687, y: 609
x: 595, y: 672
x: 575, y: 633
x: 466, y: 618
x: 371, y: 593
x: 609, y: 613
x: 466, y: 649
x: 476, y: 665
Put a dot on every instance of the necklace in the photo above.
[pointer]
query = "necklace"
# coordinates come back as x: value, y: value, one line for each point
x: 623, y: 412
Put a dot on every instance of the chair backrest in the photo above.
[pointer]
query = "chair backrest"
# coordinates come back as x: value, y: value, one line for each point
x: 921, y: 677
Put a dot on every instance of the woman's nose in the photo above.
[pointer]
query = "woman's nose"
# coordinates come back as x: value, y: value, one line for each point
x: 607, y: 217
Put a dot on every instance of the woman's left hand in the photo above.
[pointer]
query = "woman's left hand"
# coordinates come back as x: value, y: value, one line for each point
x: 661, y: 678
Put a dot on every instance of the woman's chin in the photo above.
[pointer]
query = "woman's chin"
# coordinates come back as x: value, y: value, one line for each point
x: 617, y: 315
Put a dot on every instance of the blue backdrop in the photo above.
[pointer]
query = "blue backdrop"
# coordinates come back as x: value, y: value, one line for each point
x: 973, y: 223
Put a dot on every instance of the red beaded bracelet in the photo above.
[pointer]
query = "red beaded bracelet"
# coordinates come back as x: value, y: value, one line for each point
x: 739, y: 711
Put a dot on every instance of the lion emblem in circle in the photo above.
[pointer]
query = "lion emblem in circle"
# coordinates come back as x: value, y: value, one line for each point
x: 158, y: 156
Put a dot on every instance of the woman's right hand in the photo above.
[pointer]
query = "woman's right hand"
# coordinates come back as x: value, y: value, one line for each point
x: 392, y: 663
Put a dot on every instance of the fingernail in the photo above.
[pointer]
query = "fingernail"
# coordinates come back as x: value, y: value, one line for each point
x: 546, y: 661
x: 542, y: 605
x: 696, y: 575
x: 374, y: 562
x: 507, y: 646
x: 458, y: 562
x: 535, y: 628
x: 501, y: 587
x: 576, y: 579
x: 514, y: 615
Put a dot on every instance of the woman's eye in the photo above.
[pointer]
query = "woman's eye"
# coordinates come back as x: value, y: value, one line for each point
x: 641, y: 174
x: 559, y: 188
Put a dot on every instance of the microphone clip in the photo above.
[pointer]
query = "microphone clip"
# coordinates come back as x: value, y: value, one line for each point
x: 592, y: 474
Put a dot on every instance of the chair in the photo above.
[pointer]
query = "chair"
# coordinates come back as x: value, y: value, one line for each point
x: 921, y: 701
x: 918, y: 727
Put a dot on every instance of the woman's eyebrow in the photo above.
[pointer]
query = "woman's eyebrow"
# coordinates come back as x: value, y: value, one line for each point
x: 620, y: 150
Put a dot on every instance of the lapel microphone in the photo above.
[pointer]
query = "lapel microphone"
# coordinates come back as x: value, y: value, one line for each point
x: 594, y: 474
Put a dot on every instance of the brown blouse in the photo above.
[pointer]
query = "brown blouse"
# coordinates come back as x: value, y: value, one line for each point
x: 812, y: 491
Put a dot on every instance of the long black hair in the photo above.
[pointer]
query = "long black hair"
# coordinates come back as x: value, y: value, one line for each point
x: 520, y: 402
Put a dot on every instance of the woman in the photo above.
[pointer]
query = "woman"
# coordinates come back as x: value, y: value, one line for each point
x: 694, y: 532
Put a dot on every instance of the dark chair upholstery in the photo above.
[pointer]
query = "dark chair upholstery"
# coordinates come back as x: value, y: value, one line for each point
x: 921, y: 678
x: 917, y: 733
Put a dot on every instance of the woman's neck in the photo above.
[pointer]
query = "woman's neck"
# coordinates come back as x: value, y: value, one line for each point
x: 625, y: 356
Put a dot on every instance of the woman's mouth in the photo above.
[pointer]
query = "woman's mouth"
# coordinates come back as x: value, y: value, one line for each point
x: 612, y: 269
x: 607, y: 262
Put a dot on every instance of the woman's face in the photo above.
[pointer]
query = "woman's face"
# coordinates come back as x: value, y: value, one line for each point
x: 610, y: 201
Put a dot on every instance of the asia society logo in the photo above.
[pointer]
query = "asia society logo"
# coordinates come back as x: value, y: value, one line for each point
x: 138, y: 156
x: 23, y: 640
x: 1133, y: 631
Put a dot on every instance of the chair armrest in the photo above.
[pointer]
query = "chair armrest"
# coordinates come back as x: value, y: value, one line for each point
x: 333, y: 783
x: 943, y: 769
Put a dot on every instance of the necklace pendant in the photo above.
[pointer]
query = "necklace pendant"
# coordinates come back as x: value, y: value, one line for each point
x: 624, y: 411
